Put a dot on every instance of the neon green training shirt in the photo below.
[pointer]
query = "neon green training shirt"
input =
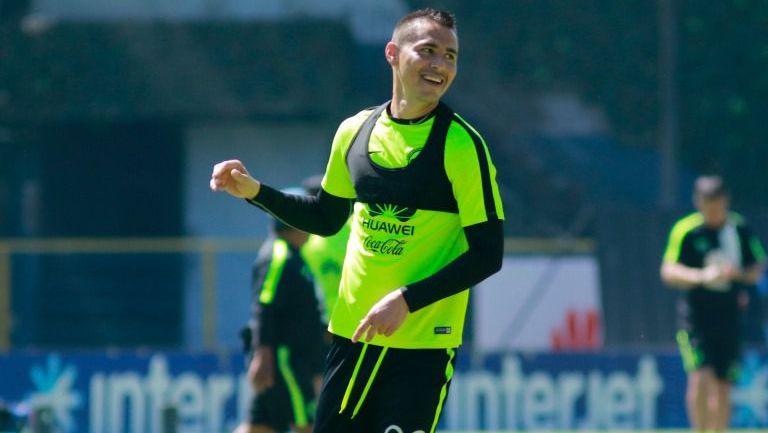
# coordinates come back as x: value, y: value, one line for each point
x: 390, y: 248
x: 325, y: 258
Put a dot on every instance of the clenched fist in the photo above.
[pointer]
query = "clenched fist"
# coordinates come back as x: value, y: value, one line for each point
x: 232, y: 177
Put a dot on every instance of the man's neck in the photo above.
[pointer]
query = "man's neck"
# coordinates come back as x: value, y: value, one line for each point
x: 400, y: 108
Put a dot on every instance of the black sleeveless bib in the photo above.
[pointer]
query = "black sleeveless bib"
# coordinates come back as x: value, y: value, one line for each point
x: 422, y: 184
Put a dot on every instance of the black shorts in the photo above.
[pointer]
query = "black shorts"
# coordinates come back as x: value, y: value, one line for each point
x: 290, y: 401
x: 719, y: 351
x: 373, y: 389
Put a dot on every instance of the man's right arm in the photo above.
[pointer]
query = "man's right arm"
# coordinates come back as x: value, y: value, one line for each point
x: 673, y: 272
x: 678, y: 275
x: 753, y: 258
x: 324, y: 214
x: 684, y: 277
x: 261, y: 371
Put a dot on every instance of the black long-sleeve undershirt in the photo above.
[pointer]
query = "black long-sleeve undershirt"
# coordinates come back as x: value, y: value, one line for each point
x: 482, y: 259
x: 325, y: 214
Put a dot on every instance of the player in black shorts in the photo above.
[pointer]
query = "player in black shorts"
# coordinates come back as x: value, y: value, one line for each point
x: 712, y: 255
x: 408, y: 395
x: 427, y: 224
x: 287, y: 353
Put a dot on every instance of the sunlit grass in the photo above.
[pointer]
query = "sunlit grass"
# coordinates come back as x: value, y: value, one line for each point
x: 734, y: 430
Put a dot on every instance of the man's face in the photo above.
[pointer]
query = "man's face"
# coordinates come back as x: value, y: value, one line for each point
x: 714, y: 210
x: 424, y: 60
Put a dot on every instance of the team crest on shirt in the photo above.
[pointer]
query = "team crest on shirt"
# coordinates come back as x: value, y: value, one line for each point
x: 701, y: 245
x: 387, y: 228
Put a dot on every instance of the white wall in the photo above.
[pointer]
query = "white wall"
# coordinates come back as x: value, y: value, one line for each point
x: 279, y: 154
x: 539, y: 289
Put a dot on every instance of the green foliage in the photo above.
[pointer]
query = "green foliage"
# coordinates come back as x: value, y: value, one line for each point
x: 723, y: 85
x: 129, y: 70
x: 606, y: 51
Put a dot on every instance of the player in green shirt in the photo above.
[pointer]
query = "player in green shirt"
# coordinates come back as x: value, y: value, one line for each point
x: 426, y: 225
x: 325, y: 255
x: 286, y: 339
x: 712, y: 256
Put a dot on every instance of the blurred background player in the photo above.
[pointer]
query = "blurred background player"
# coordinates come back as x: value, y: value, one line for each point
x: 287, y: 347
x: 712, y: 255
x: 325, y: 255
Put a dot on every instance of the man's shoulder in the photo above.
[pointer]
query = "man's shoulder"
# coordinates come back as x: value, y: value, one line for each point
x: 462, y: 134
x: 740, y: 222
x: 688, y: 224
x: 737, y: 219
x: 265, y: 254
x: 463, y: 143
x: 275, y: 248
x: 355, y: 121
x: 348, y: 128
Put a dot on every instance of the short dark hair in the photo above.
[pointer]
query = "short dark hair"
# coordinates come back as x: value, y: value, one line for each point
x: 709, y: 187
x: 442, y: 17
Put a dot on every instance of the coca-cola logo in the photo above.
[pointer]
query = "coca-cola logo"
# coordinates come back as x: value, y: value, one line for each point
x: 392, y: 247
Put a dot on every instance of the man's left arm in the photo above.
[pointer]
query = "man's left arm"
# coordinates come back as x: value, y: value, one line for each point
x: 754, y: 259
x: 473, y: 180
x: 481, y: 260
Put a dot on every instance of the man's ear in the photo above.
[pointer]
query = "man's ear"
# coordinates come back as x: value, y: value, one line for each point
x: 390, y: 52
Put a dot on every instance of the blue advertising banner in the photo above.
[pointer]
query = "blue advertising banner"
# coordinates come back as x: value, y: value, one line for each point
x: 99, y: 393
x: 569, y: 391
x: 126, y: 392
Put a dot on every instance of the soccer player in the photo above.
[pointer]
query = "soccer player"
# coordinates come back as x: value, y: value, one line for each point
x: 426, y: 226
x: 286, y: 362
x: 711, y: 255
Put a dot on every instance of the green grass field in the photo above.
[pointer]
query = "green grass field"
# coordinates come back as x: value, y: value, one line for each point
x: 733, y: 430
x: 603, y: 431
x: 600, y: 431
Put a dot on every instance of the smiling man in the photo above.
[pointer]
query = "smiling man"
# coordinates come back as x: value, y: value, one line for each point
x: 426, y: 226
